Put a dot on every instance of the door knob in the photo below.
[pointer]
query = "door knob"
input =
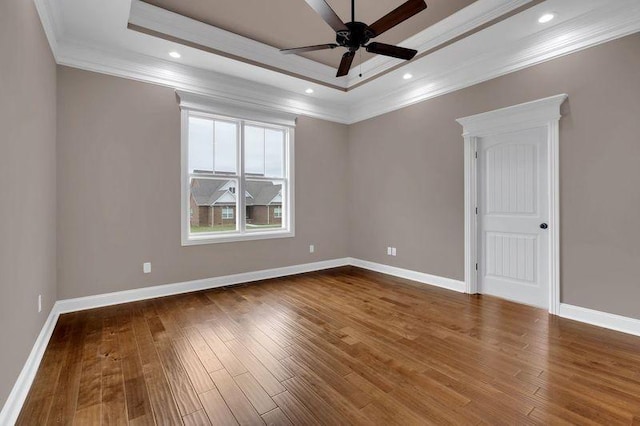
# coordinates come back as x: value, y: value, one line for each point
x: 544, y: 226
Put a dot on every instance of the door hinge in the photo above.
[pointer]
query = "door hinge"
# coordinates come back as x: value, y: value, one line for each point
x: 476, y: 154
x: 476, y: 266
x: 476, y: 210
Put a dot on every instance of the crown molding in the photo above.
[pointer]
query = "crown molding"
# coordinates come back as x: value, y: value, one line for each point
x: 590, y: 29
x: 222, y: 87
x: 162, y: 23
x: 51, y: 23
x: 165, y: 24
x: 517, y: 116
x: 241, y: 110
x: 461, y: 22
x: 444, y: 71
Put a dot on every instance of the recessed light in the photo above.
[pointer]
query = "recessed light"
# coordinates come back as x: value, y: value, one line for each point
x: 175, y: 54
x: 546, y: 18
x: 308, y: 91
x: 407, y: 76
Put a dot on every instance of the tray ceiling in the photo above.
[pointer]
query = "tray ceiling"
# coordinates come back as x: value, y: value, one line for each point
x: 292, y: 23
x: 484, y: 40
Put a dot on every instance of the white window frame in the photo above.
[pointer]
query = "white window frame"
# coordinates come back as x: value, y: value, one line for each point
x: 228, y: 216
x: 217, y: 110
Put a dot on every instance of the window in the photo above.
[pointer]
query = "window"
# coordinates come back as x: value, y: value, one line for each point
x: 227, y: 213
x: 224, y: 157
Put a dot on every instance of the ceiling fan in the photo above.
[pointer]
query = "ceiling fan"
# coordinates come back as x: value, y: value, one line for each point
x: 354, y: 35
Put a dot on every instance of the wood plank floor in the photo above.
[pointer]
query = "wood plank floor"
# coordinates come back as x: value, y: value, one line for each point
x: 333, y: 348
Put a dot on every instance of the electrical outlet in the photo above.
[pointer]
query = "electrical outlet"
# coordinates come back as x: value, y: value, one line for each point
x: 146, y: 267
x: 39, y: 303
x: 388, y: 251
x: 393, y: 251
x: 312, y: 248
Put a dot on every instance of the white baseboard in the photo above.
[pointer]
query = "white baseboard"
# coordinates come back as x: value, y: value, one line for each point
x: 601, y: 319
x: 108, y: 299
x: 18, y: 395
x: 448, y: 283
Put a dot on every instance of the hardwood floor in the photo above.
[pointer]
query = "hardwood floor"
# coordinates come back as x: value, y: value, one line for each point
x: 333, y: 348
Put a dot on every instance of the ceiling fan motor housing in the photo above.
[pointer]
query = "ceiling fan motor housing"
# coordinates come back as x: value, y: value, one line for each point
x: 354, y: 35
x: 358, y: 35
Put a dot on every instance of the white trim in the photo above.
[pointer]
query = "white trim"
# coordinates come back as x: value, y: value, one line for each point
x: 49, y: 14
x: 185, y: 201
x: 12, y: 407
x: 596, y: 27
x: 15, y: 401
x: 179, y: 27
x: 241, y: 115
x: 421, y: 277
x: 234, y: 237
x: 136, y: 66
x: 108, y: 299
x: 600, y: 319
x: 541, y: 113
x: 90, y: 302
x: 503, y: 120
x: 604, y: 22
x: 18, y: 395
x: 461, y: 22
x: 470, y: 220
x: 235, y: 109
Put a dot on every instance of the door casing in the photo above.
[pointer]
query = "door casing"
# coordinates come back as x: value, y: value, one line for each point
x: 540, y: 113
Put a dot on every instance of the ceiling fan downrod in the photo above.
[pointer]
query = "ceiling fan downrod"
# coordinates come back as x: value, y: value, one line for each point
x: 353, y: 10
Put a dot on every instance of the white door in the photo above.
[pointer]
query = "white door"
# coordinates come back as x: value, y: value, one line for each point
x: 513, y: 211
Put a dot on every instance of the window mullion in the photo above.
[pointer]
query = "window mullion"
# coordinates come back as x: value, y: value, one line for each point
x: 214, y: 148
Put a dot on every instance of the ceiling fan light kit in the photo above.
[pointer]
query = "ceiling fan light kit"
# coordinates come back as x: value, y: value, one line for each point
x: 354, y: 35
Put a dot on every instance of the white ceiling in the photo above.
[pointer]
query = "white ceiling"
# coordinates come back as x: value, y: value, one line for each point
x: 93, y: 35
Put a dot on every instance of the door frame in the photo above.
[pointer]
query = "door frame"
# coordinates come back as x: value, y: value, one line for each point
x: 540, y: 113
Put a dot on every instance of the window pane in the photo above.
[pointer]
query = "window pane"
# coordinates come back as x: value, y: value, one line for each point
x: 254, y: 150
x: 213, y: 205
x: 226, y: 152
x: 274, y: 153
x: 264, y: 151
x: 263, y: 200
x: 200, y: 145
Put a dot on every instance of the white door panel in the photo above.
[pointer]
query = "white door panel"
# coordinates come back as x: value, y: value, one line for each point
x: 513, y: 203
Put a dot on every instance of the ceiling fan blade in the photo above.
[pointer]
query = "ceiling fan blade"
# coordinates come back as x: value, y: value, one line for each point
x: 308, y: 48
x: 330, y: 17
x: 393, y: 51
x: 345, y: 64
x: 400, y: 14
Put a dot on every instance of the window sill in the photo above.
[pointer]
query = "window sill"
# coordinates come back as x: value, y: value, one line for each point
x: 232, y: 238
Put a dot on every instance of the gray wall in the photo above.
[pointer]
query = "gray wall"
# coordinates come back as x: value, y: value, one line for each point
x: 399, y: 176
x: 119, y: 192
x: 27, y: 185
x: 406, y: 175
x: 392, y: 180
